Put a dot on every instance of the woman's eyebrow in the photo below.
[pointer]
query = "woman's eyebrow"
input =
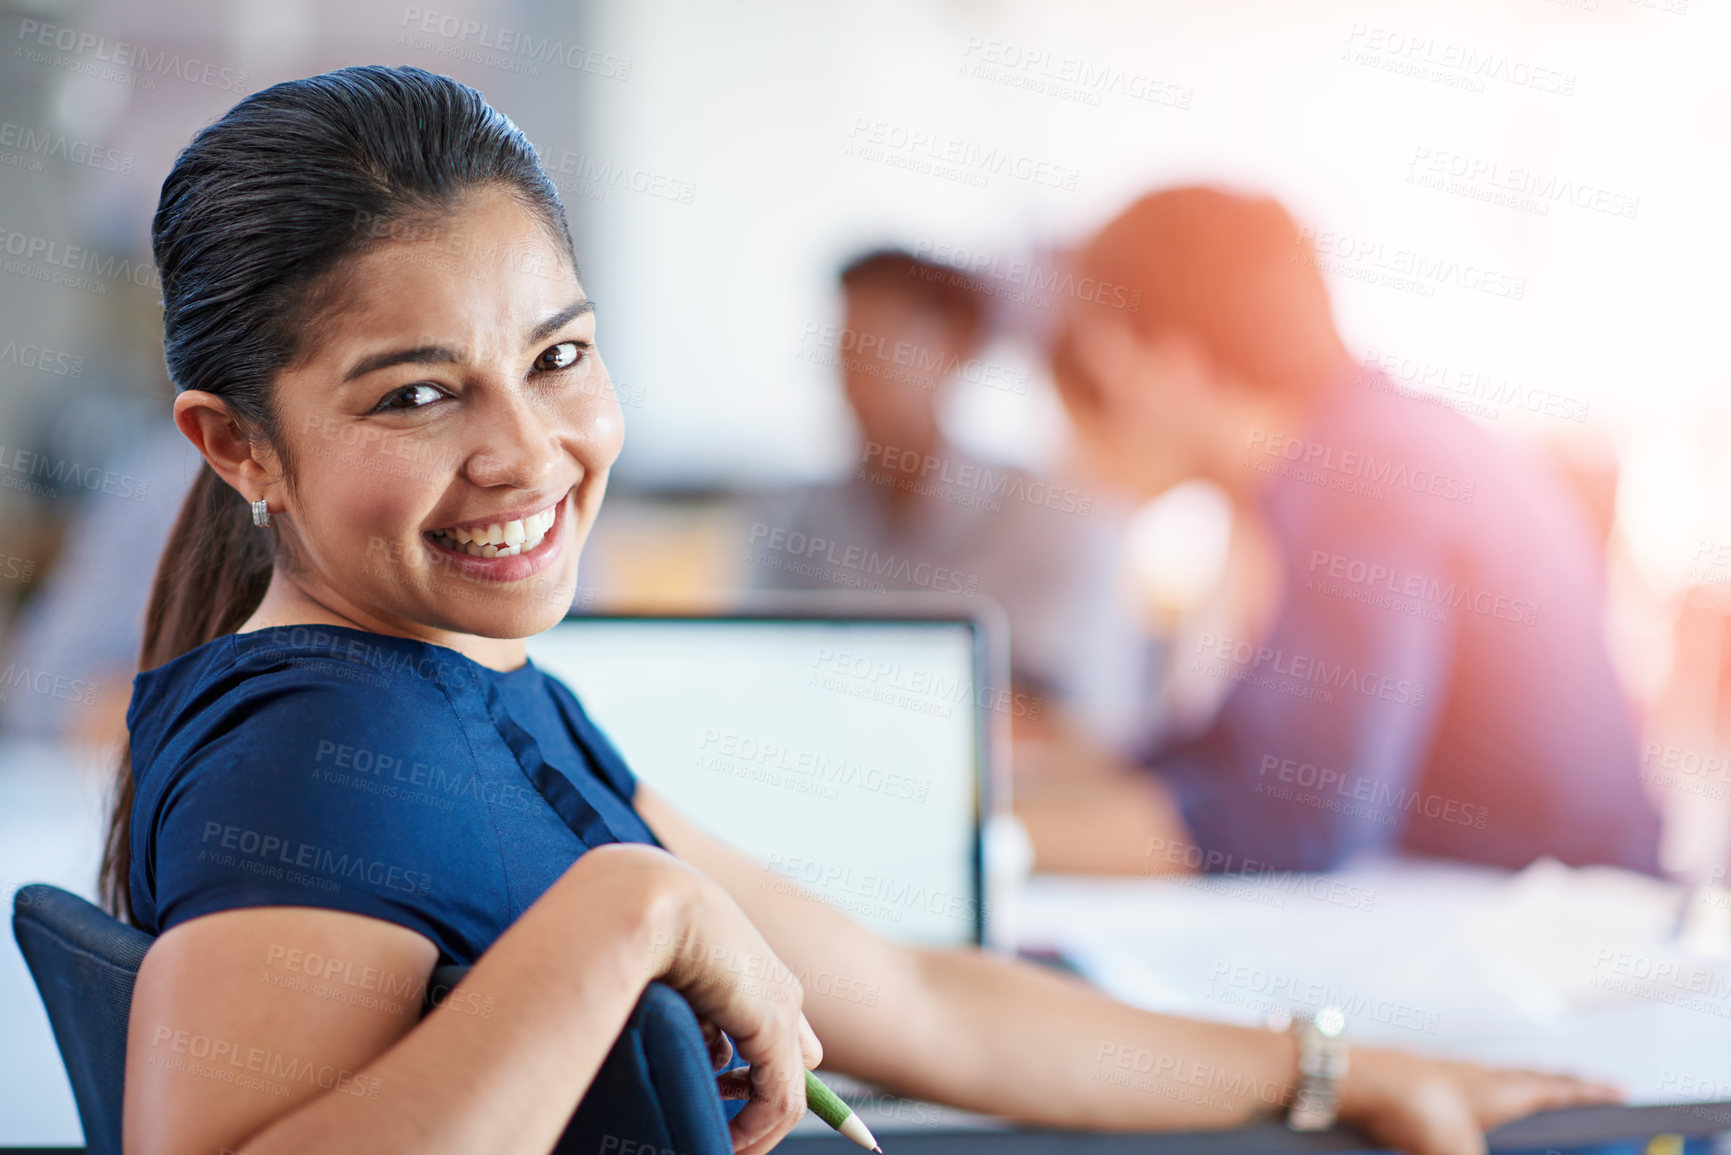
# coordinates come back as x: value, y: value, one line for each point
x: 425, y: 354
x: 560, y: 319
x: 439, y: 354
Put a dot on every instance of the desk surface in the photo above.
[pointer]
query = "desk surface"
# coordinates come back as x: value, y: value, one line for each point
x: 1573, y: 970
x: 1552, y: 968
x: 1553, y: 1131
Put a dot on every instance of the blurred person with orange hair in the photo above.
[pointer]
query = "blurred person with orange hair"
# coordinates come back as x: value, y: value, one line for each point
x: 1421, y: 664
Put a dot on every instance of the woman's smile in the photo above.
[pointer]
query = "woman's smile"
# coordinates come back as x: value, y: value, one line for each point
x: 504, y: 550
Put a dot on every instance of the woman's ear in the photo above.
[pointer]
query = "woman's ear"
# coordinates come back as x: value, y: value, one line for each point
x: 205, y: 420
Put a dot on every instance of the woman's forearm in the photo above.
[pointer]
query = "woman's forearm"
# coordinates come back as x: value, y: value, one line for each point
x: 987, y: 1034
x: 501, y: 1066
x: 1029, y: 1044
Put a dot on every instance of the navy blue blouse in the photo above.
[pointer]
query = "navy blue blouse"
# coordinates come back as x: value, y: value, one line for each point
x: 332, y: 767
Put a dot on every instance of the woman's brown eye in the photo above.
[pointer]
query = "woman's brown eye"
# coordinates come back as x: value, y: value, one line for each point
x: 407, y: 391
x: 561, y: 356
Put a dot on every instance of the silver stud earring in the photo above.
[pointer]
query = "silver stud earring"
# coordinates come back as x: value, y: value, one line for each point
x: 260, y: 513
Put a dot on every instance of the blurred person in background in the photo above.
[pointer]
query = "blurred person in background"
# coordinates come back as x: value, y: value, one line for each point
x: 1418, y: 660
x: 922, y: 513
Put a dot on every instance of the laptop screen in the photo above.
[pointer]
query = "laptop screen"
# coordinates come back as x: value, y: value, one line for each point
x: 843, y: 755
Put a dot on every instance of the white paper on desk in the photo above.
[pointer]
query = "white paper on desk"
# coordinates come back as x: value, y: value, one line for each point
x: 1436, y: 949
x: 1451, y: 959
x: 1237, y: 950
x: 1559, y: 941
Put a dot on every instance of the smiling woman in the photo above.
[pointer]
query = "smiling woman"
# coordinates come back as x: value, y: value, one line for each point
x: 483, y: 375
x: 338, y: 749
x: 337, y: 745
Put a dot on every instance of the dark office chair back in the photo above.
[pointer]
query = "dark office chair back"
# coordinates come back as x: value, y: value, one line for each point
x: 84, y: 964
x: 656, y: 1088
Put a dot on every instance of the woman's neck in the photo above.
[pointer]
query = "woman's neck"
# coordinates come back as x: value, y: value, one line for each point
x: 286, y: 603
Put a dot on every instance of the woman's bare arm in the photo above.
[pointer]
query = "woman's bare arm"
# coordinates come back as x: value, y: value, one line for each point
x: 253, y: 1030
x: 981, y: 1032
x: 1012, y: 1039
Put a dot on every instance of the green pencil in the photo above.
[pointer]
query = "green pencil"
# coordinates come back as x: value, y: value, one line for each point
x: 827, y: 1105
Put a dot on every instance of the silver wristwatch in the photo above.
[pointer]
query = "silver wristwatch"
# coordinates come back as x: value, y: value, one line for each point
x: 1322, y: 1063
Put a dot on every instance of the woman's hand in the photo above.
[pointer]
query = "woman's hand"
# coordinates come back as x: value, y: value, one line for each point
x: 1432, y: 1107
x: 715, y: 957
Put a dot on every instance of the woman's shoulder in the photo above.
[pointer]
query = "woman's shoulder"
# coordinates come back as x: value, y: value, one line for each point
x: 323, y: 766
x: 281, y: 685
x: 352, y: 656
x: 313, y: 654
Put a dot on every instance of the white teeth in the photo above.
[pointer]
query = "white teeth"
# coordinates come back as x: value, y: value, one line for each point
x: 500, y: 539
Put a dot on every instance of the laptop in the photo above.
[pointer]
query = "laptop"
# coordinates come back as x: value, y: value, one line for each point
x: 853, y: 748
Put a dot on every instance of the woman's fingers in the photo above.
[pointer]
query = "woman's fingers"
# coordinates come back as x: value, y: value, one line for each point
x: 1503, y: 1096
x: 1448, y: 1128
x: 741, y: 1083
x: 762, y: 1018
x: 734, y: 1084
x: 720, y: 1046
x: 1430, y: 1107
x: 1432, y: 1118
x: 810, y: 1048
x: 776, y: 1098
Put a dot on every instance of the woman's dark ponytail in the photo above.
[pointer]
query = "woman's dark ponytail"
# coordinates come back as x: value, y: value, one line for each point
x: 213, y: 574
x: 255, y: 216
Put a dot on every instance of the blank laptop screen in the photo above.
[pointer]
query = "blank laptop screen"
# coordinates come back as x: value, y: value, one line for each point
x: 843, y: 755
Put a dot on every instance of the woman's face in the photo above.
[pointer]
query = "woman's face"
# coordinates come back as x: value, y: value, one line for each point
x: 454, y: 389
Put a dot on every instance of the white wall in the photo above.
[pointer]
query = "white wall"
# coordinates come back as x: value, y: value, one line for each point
x: 756, y: 104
